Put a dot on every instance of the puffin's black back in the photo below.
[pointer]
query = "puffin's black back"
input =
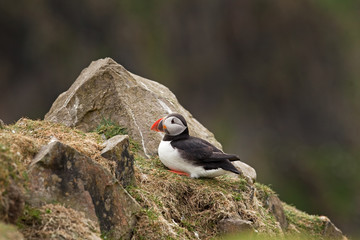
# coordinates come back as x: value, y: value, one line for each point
x: 202, y: 153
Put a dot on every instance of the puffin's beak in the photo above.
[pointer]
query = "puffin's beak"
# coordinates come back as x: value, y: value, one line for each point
x: 158, y: 126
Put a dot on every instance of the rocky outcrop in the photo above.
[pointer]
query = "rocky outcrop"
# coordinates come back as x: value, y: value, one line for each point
x: 59, y: 173
x: 107, y: 90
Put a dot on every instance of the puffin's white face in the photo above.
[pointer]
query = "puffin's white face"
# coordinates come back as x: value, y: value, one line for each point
x: 173, y: 126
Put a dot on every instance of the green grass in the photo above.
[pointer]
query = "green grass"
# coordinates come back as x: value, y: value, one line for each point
x: 237, y: 196
x: 307, y: 224
x: 31, y: 217
x: 110, y: 129
x: 264, y: 191
x: 106, y: 235
x: 151, y: 214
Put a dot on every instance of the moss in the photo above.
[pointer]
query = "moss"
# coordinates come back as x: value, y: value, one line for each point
x: 307, y: 224
x: 10, y: 165
x: 134, y: 146
x: 13, y: 178
x: 237, y: 197
x: 5, y: 167
x: 263, y: 191
x: 110, y: 129
x: 30, y: 217
x: 106, y: 235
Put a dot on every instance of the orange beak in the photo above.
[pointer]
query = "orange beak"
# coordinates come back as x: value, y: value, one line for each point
x: 158, y: 126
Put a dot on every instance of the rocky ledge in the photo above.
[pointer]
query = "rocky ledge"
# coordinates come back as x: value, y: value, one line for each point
x: 90, y: 171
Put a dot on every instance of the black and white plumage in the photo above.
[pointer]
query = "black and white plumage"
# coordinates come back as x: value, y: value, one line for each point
x: 190, y: 155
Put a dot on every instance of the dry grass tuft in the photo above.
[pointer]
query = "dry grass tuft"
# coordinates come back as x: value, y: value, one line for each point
x: 27, y: 136
x: 59, y: 222
x: 179, y: 207
x: 20, y: 142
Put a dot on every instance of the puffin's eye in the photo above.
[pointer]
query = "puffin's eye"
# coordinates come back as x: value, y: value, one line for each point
x: 172, y: 121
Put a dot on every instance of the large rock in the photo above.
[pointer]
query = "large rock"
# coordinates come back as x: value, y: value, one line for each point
x: 116, y: 149
x: 59, y: 173
x: 234, y: 225
x: 107, y: 90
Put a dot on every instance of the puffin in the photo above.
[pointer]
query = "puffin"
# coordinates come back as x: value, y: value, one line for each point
x: 187, y: 155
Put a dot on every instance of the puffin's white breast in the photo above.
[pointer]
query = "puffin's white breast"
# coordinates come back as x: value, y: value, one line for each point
x: 172, y: 159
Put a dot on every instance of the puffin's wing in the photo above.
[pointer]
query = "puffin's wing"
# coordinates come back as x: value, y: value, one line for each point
x: 194, y: 148
x: 218, y: 156
x: 198, y: 149
x: 203, y: 153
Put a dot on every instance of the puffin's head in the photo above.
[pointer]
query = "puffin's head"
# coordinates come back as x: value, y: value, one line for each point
x: 173, y: 124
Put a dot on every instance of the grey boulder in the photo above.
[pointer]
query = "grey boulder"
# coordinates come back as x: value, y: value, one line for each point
x: 107, y: 90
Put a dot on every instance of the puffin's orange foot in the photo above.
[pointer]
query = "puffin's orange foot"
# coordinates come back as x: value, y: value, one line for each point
x: 179, y: 172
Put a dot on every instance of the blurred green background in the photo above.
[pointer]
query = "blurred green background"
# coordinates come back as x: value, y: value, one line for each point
x: 276, y: 81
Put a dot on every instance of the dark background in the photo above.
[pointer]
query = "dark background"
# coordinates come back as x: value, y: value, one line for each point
x: 276, y: 81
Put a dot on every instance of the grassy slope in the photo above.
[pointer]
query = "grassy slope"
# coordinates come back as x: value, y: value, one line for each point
x: 174, y: 207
